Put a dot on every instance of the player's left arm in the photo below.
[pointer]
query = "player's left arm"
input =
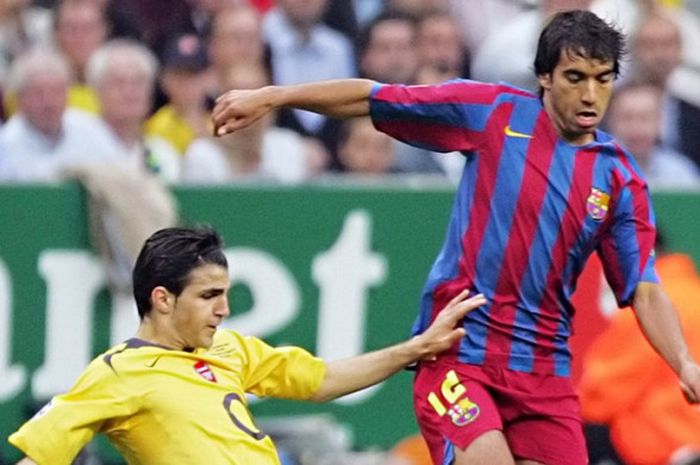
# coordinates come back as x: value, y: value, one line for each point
x: 661, y: 326
x: 630, y: 271
x: 349, y: 375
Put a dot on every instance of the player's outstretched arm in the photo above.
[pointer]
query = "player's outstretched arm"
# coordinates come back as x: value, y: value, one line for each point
x: 659, y: 322
x: 237, y: 109
x: 349, y: 375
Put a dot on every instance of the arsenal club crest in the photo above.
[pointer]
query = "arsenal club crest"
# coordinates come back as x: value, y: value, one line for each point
x: 204, y: 371
x: 597, y: 204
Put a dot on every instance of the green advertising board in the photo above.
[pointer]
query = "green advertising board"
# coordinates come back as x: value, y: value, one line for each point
x: 337, y: 270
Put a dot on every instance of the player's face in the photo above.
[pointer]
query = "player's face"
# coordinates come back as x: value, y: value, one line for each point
x: 576, y: 95
x: 201, y: 306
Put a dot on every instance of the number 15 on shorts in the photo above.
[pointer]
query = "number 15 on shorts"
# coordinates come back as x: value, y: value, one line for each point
x: 453, y: 402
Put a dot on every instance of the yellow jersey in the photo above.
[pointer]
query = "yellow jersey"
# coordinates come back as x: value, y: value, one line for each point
x: 163, y: 406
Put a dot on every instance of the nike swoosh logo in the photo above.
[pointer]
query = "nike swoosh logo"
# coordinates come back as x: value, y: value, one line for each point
x: 509, y: 132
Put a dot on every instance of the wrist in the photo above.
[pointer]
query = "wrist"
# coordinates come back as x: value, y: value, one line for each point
x: 419, y: 349
x: 276, y: 96
x: 686, y: 360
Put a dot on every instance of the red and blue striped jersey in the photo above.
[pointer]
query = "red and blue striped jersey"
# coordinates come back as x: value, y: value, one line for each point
x: 529, y: 211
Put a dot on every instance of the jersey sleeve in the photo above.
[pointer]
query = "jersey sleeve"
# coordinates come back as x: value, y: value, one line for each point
x: 443, y: 118
x: 284, y: 372
x: 55, y: 435
x: 627, y: 250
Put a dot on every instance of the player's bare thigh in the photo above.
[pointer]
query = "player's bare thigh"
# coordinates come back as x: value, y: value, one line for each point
x: 491, y: 448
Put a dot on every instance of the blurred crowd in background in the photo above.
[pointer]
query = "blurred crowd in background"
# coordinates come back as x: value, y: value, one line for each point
x: 131, y: 83
x: 126, y: 87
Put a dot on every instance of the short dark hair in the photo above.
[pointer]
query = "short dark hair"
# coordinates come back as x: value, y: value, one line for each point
x: 582, y: 33
x: 364, y: 38
x: 168, y: 257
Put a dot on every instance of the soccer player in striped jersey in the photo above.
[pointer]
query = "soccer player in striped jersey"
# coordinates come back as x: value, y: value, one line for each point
x: 543, y: 188
x: 176, y: 393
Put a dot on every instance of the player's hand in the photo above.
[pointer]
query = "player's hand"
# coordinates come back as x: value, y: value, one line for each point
x: 690, y: 382
x: 446, y: 330
x: 238, y: 109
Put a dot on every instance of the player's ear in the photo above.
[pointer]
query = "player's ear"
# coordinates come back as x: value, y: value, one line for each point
x: 162, y: 300
x: 545, y: 80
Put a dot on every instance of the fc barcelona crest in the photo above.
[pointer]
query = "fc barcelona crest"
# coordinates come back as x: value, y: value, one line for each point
x: 597, y: 204
x: 463, y: 412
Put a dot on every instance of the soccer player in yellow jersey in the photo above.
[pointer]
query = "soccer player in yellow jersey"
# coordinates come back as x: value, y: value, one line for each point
x: 176, y: 392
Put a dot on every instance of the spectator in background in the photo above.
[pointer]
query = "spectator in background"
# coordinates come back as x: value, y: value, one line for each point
x: 203, y: 13
x: 507, y: 53
x: 367, y: 10
x: 22, y: 27
x: 157, y: 20
x: 628, y: 14
x: 630, y: 389
x: 388, y: 53
x: 340, y: 15
x: 303, y: 49
x: 123, y: 74
x: 363, y: 150
x: 387, y: 49
x: 440, y: 46
x: 656, y: 47
x: 634, y: 118
x: 160, y: 20
x: 80, y: 28
x: 44, y: 138
x: 122, y: 18
x: 259, y: 152
x: 478, y: 18
x: 236, y: 38
x: 417, y: 8
x: 184, y: 80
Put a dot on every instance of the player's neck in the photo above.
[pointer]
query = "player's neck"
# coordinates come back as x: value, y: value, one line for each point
x: 157, y: 334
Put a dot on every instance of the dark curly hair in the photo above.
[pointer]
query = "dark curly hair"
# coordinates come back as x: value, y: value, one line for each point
x: 582, y: 33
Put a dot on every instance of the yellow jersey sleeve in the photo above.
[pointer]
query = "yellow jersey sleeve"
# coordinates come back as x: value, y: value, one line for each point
x: 284, y: 372
x: 55, y: 435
